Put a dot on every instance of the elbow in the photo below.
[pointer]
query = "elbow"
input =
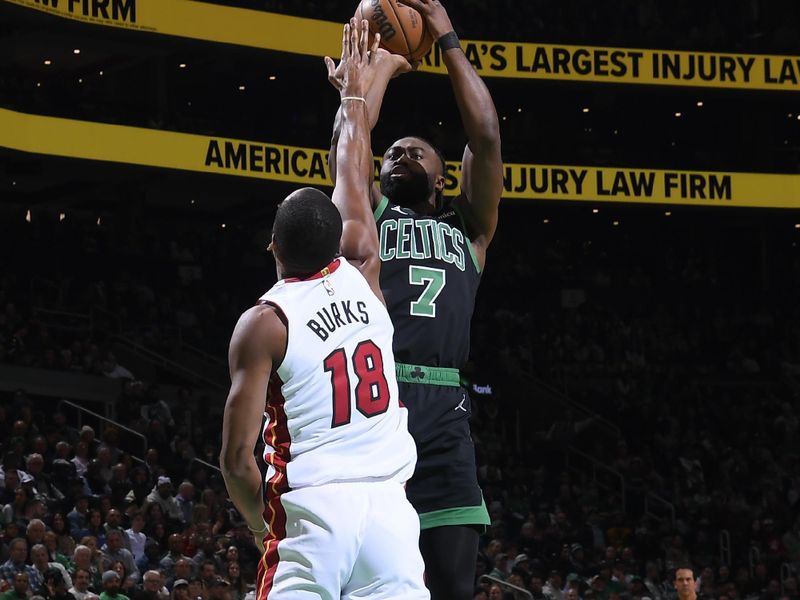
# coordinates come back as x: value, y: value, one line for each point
x: 231, y: 460
x: 488, y: 130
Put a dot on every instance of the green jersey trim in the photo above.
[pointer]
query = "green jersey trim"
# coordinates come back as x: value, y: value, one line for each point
x: 381, y: 207
x: 469, y: 241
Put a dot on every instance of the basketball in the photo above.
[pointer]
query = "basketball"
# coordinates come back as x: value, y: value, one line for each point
x: 403, y: 30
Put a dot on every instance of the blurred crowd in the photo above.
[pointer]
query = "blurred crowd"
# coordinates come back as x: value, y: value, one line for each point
x: 693, y: 360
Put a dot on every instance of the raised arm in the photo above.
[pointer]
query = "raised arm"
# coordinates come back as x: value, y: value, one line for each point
x: 351, y: 193
x: 384, y: 66
x: 482, y: 168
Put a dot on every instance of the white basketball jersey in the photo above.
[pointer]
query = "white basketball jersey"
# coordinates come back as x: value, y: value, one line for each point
x: 333, y: 414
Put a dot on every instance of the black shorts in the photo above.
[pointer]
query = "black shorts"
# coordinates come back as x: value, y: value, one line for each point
x: 445, y: 481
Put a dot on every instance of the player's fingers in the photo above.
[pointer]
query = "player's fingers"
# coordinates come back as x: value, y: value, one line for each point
x: 364, y: 41
x: 331, y: 68
x: 353, y: 38
x: 345, y: 37
x: 376, y: 43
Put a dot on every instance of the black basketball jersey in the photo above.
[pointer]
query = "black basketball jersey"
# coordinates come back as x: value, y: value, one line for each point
x: 429, y: 277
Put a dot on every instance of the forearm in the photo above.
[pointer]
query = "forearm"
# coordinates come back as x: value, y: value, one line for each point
x: 245, y: 488
x: 353, y: 152
x: 475, y: 104
x: 374, y: 97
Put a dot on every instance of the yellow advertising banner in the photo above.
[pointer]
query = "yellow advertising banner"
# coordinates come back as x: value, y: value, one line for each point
x: 309, y: 166
x: 271, y: 31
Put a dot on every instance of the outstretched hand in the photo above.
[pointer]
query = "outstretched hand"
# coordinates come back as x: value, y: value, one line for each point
x: 378, y: 59
x: 434, y: 14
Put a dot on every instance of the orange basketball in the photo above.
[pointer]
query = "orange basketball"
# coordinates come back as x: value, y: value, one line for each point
x: 403, y: 30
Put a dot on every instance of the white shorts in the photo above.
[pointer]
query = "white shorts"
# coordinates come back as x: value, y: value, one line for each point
x: 342, y: 540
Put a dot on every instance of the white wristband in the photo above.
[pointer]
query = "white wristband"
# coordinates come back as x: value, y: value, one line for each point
x: 259, y: 530
x: 359, y: 98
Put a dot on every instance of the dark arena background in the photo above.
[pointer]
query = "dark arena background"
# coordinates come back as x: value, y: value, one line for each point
x: 635, y: 362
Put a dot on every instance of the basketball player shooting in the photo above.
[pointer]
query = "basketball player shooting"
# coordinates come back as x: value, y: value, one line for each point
x: 313, y: 359
x: 430, y: 294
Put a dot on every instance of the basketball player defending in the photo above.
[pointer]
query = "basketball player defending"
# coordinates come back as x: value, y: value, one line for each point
x: 314, y: 358
x: 433, y: 253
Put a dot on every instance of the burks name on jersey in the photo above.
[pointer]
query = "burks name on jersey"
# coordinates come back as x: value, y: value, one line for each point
x: 337, y: 314
x: 419, y: 239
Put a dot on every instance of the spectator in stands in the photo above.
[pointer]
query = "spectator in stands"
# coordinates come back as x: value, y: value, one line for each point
x: 114, y: 523
x: 182, y: 569
x: 577, y: 559
x: 200, y: 519
x: 16, y: 510
x: 87, y: 435
x: 63, y: 430
x: 233, y: 574
x: 162, y: 495
x: 81, y: 458
x: 11, y: 463
x: 17, y: 553
x: 136, y: 539
x: 95, y: 483
x: 41, y: 483
x: 20, y: 588
x: 553, y: 588
x: 63, y: 450
x: 55, y: 587
x: 34, y: 532
x: 54, y: 553
x: 207, y: 550
x: 242, y: 538
x: 152, y: 556
x: 113, y: 551
x: 685, y: 583
x: 111, y: 587
x: 104, y: 457
x: 174, y: 553
x: 78, y: 517
x: 128, y: 582
x: 140, y: 486
x: 496, y: 592
x: 218, y: 589
x: 152, y: 587
x: 208, y: 573
x: 120, y: 485
x: 180, y: 590
x: 80, y: 585
x: 500, y: 568
x: 83, y: 558
x: 185, y: 501
x: 196, y: 589
x: 94, y: 528
x: 42, y: 563
x: 59, y: 525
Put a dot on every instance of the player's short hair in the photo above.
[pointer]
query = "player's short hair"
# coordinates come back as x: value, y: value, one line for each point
x: 307, y: 230
x: 682, y: 567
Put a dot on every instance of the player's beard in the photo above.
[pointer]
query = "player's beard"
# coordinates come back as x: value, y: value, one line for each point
x: 407, y: 191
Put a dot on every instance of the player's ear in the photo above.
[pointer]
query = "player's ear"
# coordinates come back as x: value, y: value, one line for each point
x: 271, y: 243
x: 439, y: 182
